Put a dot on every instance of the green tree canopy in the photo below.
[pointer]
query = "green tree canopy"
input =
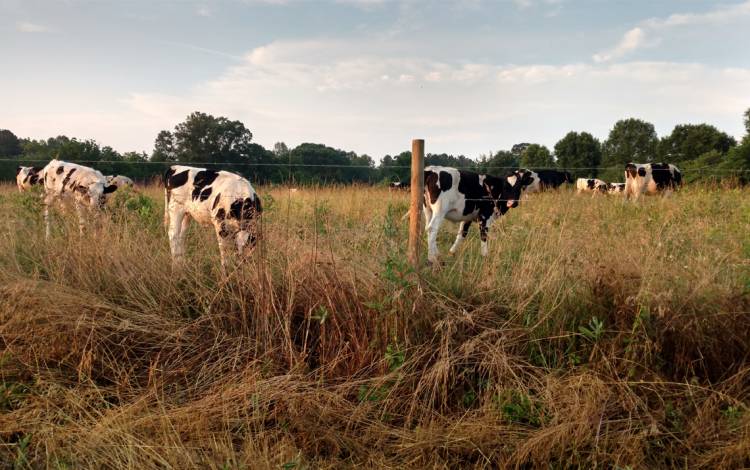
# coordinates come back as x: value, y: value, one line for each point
x: 536, y: 156
x: 630, y: 140
x: 164, y: 148
x: 501, y: 163
x: 689, y: 141
x: 10, y: 145
x: 579, y: 150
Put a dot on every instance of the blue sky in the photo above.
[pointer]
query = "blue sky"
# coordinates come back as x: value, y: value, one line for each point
x: 469, y: 76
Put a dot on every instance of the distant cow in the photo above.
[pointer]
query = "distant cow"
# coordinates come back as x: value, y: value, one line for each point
x: 532, y: 181
x: 400, y: 185
x: 592, y: 185
x: 650, y: 178
x: 463, y: 196
x: 27, y: 177
x: 85, y: 186
x: 219, y: 198
x: 553, y: 179
x: 615, y: 188
x: 120, y: 181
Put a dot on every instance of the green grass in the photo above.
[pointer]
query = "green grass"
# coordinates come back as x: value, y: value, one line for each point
x: 596, y: 333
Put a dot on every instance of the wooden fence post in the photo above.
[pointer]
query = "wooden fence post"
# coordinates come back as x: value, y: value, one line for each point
x: 417, y: 195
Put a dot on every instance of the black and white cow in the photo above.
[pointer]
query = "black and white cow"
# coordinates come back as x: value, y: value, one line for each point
x: 650, y: 178
x: 84, y: 186
x: 405, y: 185
x: 615, y: 188
x: 27, y: 177
x: 219, y: 198
x: 531, y: 178
x: 553, y: 179
x: 592, y: 185
x: 119, y: 181
x: 463, y: 196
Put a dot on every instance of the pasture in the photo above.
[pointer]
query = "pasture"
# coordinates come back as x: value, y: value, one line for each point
x: 595, y: 333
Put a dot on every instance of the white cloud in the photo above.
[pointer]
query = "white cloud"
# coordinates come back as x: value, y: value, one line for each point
x: 28, y: 27
x: 203, y: 11
x: 328, y: 91
x: 631, y: 41
x: 647, y: 33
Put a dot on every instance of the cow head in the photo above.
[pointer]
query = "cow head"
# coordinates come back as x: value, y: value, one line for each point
x: 526, y: 177
x: 242, y: 223
x: 568, y: 177
x: 504, y: 191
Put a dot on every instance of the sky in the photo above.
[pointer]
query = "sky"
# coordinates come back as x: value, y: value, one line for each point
x: 468, y: 76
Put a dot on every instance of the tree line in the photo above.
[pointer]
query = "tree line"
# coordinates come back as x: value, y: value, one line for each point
x: 202, y: 139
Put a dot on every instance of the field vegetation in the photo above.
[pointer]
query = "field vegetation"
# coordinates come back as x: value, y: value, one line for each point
x: 595, y: 334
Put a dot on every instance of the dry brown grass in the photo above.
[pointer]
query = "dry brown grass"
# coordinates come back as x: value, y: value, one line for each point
x: 595, y: 334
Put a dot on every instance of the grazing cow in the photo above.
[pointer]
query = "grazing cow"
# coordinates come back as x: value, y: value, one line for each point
x: 650, y: 178
x: 615, y: 188
x: 553, y: 179
x: 219, y: 198
x: 593, y: 185
x: 120, y: 181
x: 65, y: 181
x: 531, y: 178
x: 462, y: 196
x: 405, y: 185
x: 27, y: 177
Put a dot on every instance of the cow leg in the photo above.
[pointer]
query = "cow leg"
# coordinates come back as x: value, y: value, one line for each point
x: 48, y: 200
x: 225, y: 244
x: 432, y: 232
x: 177, y: 222
x: 463, y: 230
x: 81, y: 212
x: 483, y: 228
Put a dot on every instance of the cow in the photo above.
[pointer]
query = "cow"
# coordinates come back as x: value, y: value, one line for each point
x: 399, y: 185
x: 615, y: 188
x: 85, y: 186
x: 463, y: 196
x: 532, y: 181
x: 219, y: 198
x: 119, y: 181
x: 553, y: 179
x: 592, y: 185
x: 27, y: 177
x: 650, y: 178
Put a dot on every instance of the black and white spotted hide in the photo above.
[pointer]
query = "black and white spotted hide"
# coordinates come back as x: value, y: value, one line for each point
x: 27, y: 177
x: 117, y: 182
x: 219, y: 198
x: 464, y: 197
x: 650, y: 178
x: 84, y: 186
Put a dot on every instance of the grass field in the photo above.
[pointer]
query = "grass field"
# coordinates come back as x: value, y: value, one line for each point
x: 595, y: 334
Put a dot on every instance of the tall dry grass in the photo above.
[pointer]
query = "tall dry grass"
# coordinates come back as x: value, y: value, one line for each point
x: 596, y: 333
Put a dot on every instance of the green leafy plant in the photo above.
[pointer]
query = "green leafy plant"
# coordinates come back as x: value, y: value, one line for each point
x: 594, y: 330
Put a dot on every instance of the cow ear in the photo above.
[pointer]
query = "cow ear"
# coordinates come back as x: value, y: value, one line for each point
x: 110, y: 189
x: 18, y: 170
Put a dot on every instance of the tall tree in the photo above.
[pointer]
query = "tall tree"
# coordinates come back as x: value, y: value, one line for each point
x: 747, y: 120
x: 203, y: 138
x: 536, y: 156
x: 579, y: 150
x: 164, y: 147
x: 518, y: 149
x: 630, y: 140
x: 689, y: 141
x: 10, y: 146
